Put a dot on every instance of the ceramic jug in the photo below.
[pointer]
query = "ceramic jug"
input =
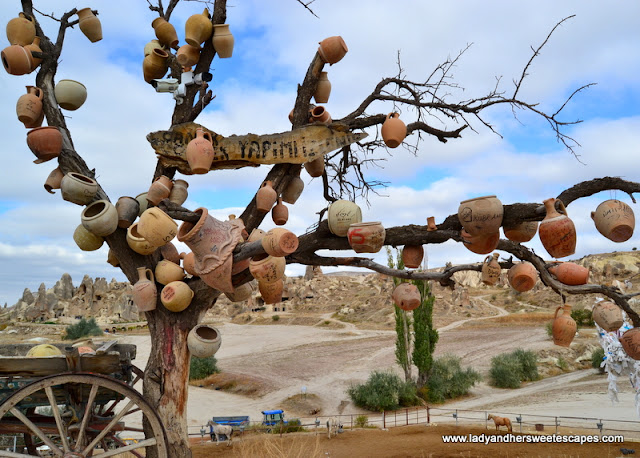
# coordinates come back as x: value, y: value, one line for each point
x: 200, y: 152
x: 145, y: 292
x: 557, y: 232
x: 564, y: 327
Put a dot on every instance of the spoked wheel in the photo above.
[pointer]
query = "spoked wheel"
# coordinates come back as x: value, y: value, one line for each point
x: 82, y: 415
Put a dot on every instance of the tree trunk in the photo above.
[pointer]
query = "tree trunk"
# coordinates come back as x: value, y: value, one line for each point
x: 407, y: 346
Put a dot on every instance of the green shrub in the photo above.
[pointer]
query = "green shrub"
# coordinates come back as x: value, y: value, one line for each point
x: 83, y: 328
x: 562, y: 363
x: 361, y: 421
x: 508, y: 370
x: 293, y: 426
x: 202, y: 368
x: 549, y: 328
x: 275, y: 317
x: 383, y: 391
x: 596, y: 359
x: 448, y: 380
x: 582, y: 317
x: 528, y: 364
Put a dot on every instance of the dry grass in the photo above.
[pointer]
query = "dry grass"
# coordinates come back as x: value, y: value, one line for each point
x: 523, y: 318
x: 271, y: 446
x: 234, y: 383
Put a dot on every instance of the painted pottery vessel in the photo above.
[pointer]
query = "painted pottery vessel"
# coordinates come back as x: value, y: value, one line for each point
x: 412, y: 256
x: 608, y: 316
x: 45, y: 143
x: 17, y: 60
x: 521, y: 232
x: 630, y: 341
x: 29, y: 106
x: 145, y: 292
x: 204, y: 341
x: 570, y: 273
x: 77, y: 188
x: 159, y: 189
x: 86, y: 240
x: 341, y: 214
x: 323, y: 89
x: 366, y: 237
x: 198, y: 28
x: 70, y: 94
x: 127, y: 208
x: 279, y: 242
x: 223, y: 40
x: 280, y: 213
x: 332, y: 49
x: 406, y: 296
x: 157, y: 227
x: 481, y: 215
x: 100, y: 217
x: 315, y: 168
x: 165, y: 32
x: 266, y: 197
x: 21, y: 30
x: 267, y: 268
x: 176, y: 296
x: 271, y: 292
x: 564, y: 327
x: 167, y: 271
x: 54, y: 180
x: 200, y: 152
x: 393, y: 130
x: 614, y: 219
x: 557, y: 232
x: 480, y: 244
x: 522, y: 276
x: 137, y: 242
x: 491, y: 270
x: 90, y: 25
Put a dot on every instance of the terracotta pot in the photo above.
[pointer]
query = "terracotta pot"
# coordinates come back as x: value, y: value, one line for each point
x: 630, y: 341
x: 100, y: 217
x: 266, y: 268
x: 21, y: 30
x: 37, y: 123
x: 271, y: 292
x: 112, y: 258
x: 204, y: 341
x: 189, y: 263
x: 176, y: 296
x: 315, y: 168
x: 198, y: 28
x: 280, y: 213
x: 127, y: 208
x: 222, y: 40
x: 165, y: 32
x: 279, y: 242
x: 557, y: 232
x: 90, y: 25
x: 200, y: 152
x: 491, y: 270
x: 320, y: 114
x: 86, y: 240
x: 159, y: 189
x: 481, y: 215
x: 393, y: 130
x: 170, y: 253
x: 256, y: 234
x: 366, y: 237
x: 149, y: 47
x: 145, y: 292
x: 480, y: 244
x: 332, y: 49
x: 341, y: 214
x: 17, y: 60
x: 406, y: 296
x: 34, y: 47
x: 412, y: 256
x: 70, y: 94
x: 293, y: 190
x: 614, y: 219
x: 522, y: 276
x: 45, y: 143
x: 54, y: 180
x: 179, y: 193
x: 242, y: 293
x: 137, y: 242
x: 167, y: 271
x: 266, y: 197
x: 431, y: 224
x: 78, y: 189
x: 570, y: 273
x: 521, y: 232
x: 155, y: 65
x: 323, y: 89
x: 608, y: 316
x: 564, y: 327
x: 157, y: 227
x: 29, y: 106
x: 142, y: 200
x: 188, y: 55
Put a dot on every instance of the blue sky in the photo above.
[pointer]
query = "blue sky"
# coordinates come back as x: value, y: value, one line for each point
x: 255, y: 89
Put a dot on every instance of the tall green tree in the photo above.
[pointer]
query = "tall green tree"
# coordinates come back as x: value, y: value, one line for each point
x: 403, y: 322
x: 425, y: 337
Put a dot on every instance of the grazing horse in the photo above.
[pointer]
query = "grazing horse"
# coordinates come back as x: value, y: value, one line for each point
x: 332, y: 426
x: 500, y: 421
x: 219, y: 430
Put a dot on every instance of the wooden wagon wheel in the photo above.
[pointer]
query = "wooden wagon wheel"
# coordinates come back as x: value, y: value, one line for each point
x: 76, y: 431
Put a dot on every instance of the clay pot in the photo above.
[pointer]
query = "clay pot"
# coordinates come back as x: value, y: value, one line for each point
x: 34, y: 47
x: 17, y: 60
x: 204, y: 341
x: 280, y: 213
x: 159, y: 189
x: 266, y: 197
x: 271, y: 292
x: 279, y: 242
x: 293, y: 189
x: 406, y: 296
x: 21, y: 30
x: 332, y: 49
x: 86, y: 240
x: 323, y: 89
x: 149, y: 47
x: 319, y: 114
x: 198, y: 28
x: 614, y: 219
x: 100, y: 217
x: 315, y: 168
x: 54, y: 180
x: 142, y: 200
x: 145, y: 292
x: 157, y: 227
x: 176, y: 296
x: 112, y: 259
x: 570, y: 273
x: 188, y: 262
x: 431, y: 224
x: 70, y: 94
x: 256, y: 234
x: 412, y: 256
x: 480, y: 244
x: 521, y: 232
x: 165, y: 32
x: 222, y: 40
x: 200, y: 152
x: 78, y: 189
x: 481, y: 215
x: 564, y: 327
x: 630, y: 341
x: 170, y: 253
x: 137, y: 242
x: 393, y: 130
x: 608, y: 316
x: 267, y: 268
x: 242, y: 293
x: 45, y: 143
x: 90, y: 25
x: 522, y: 276
x: 557, y: 232
x: 167, y: 271
x: 36, y: 123
x: 155, y: 65
x: 188, y: 55
x: 179, y: 193
x: 341, y: 214
x: 29, y: 106
x: 366, y: 237
x: 491, y: 270
x: 127, y: 208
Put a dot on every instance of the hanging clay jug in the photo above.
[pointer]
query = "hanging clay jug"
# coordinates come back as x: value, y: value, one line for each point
x: 279, y: 242
x: 293, y: 189
x: 188, y: 263
x: 176, y: 296
x: 242, y: 293
x: 142, y: 200
x: 188, y: 55
x: 137, y: 242
x: 45, y: 143
x: 167, y: 271
x: 406, y: 296
x: 54, y: 180
x: 78, y: 189
x: 155, y: 65
x: 366, y: 237
x: 570, y: 273
x: 393, y: 130
x: 256, y: 235
x: 480, y: 244
x: 198, y: 28
x: 165, y: 32
x: 522, y: 276
x: 170, y: 253
x: 204, y: 341
x: 17, y: 60
x: 267, y: 268
x: 100, y: 217
x: 320, y: 114
x: 157, y: 227
x: 21, y: 30
x: 86, y: 240
x: 271, y: 292
x: 323, y: 89
x: 266, y: 197
x: 412, y: 256
x: 149, y: 47
x: 341, y: 214
x: 608, y: 316
x: 112, y: 258
x: 36, y: 123
x: 127, y: 208
x: 200, y: 152
x: 34, y: 47
x: 159, y: 189
x: 179, y: 193
x: 90, y: 25
x: 564, y: 327
x: 521, y: 232
x: 557, y: 232
x: 481, y: 215
x: 222, y: 40
x: 315, y: 168
x: 630, y: 341
x: 332, y: 49
x: 145, y: 292
x: 431, y: 224
x: 280, y: 213
x: 29, y: 106
x: 613, y: 219
x: 70, y: 94
x: 491, y: 270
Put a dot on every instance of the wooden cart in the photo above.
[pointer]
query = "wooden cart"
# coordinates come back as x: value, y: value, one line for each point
x: 76, y: 405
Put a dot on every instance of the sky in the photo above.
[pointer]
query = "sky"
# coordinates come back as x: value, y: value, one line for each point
x: 256, y: 88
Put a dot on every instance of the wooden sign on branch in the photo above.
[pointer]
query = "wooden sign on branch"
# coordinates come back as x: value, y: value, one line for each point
x: 294, y: 147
